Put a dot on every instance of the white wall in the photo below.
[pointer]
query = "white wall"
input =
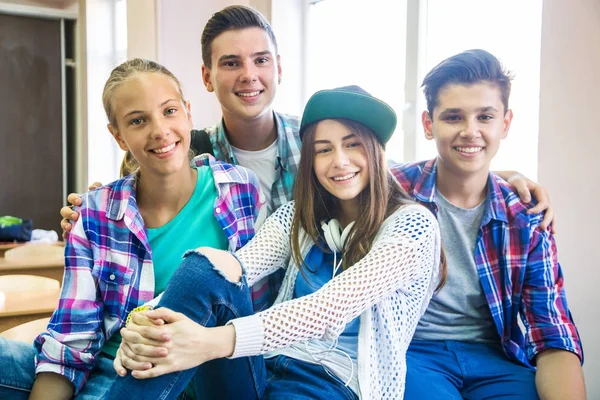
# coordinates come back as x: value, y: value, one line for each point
x: 142, y: 29
x: 287, y: 21
x: 569, y: 164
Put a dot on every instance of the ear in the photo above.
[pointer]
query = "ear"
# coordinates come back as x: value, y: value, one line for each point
x: 427, y: 125
x: 206, y: 78
x: 279, y: 71
x: 507, y: 121
x: 188, y: 108
x: 115, y: 133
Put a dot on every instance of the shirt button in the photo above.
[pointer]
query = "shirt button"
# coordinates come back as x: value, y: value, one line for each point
x: 112, y: 277
x: 218, y: 210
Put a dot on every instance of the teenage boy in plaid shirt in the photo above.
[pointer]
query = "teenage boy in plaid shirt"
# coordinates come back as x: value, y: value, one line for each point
x: 502, y: 265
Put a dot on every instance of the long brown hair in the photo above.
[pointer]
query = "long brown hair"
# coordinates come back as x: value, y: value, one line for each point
x: 380, y: 198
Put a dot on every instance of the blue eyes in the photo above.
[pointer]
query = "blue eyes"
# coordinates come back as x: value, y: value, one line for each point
x: 140, y: 120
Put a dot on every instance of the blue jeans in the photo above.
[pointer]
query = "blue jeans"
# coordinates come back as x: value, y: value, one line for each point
x: 17, y: 368
x: 200, y: 291
x: 461, y: 370
x: 291, y: 379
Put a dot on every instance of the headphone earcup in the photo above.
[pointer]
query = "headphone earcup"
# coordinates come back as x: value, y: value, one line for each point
x: 331, y: 230
x: 345, y: 234
x: 334, y: 236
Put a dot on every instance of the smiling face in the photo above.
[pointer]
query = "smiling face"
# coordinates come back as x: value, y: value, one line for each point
x: 340, y: 162
x: 153, y: 122
x: 244, y: 73
x: 468, y: 123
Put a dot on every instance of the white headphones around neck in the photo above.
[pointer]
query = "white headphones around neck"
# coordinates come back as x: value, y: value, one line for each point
x: 335, y: 237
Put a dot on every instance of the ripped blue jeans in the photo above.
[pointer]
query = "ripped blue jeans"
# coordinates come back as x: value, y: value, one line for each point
x: 203, y: 294
x: 198, y: 290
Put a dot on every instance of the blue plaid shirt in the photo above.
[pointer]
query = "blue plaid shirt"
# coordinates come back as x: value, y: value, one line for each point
x: 517, y: 265
x: 265, y: 291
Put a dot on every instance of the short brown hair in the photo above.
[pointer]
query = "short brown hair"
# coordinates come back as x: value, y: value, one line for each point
x: 467, y: 68
x: 232, y: 18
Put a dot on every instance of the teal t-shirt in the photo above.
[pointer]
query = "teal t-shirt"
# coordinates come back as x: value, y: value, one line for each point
x: 194, y: 226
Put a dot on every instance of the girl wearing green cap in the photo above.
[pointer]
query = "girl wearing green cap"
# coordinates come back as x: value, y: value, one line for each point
x: 361, y: 260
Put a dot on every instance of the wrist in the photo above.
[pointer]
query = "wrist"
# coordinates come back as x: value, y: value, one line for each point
x: 225, y: 341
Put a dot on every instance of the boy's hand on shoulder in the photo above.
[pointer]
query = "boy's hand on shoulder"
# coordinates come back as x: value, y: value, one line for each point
x: 526, y: 188
x: 68, y: 214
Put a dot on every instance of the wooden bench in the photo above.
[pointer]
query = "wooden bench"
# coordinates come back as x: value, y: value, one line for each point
x: 49, y: 268
x: 45, y: 260
x: 26, y: 332
x: 25, y: 298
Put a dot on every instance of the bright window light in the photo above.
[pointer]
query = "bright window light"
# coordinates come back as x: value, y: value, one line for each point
x: 510, y: 30
x: 364, y: 42
x: 357, y: 42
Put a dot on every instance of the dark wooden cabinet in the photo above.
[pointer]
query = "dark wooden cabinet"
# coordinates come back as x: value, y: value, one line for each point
x: 31, y: 119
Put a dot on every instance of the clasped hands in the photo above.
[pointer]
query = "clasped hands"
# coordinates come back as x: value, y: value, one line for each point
x: 161, y: 341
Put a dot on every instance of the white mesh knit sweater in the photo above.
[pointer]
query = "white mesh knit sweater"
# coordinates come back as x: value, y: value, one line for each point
x: 389, y: 288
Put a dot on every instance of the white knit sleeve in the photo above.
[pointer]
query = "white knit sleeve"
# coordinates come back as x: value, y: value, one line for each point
x: 403, y: 255
x: 270, y: 248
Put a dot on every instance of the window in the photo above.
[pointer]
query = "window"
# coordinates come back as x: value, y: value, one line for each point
x: 106, y: 48
x: 357, y: 42
x: 388, y: 46
x: 509, y: 29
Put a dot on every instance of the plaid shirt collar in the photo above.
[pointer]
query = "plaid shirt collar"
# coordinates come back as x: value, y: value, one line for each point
x: 221, y: 144
x: 122, y: 199
x: 496, y: 207
x: 288, y: 154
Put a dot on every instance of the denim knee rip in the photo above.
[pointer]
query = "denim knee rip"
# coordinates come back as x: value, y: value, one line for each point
x: 239, y: 284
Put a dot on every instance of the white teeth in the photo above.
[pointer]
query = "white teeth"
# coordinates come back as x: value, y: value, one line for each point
x: 249, y: 94
x: 345, y: 177
x: 165, y: 149
x: 469, y: 149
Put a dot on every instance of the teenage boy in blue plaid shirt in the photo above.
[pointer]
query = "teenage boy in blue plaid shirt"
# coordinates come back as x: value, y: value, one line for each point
x: 502, y: 267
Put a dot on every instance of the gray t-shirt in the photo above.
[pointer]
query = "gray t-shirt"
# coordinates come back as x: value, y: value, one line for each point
x: 459, y: 311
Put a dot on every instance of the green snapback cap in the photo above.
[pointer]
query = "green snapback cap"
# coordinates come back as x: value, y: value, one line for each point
x: 353, y: 103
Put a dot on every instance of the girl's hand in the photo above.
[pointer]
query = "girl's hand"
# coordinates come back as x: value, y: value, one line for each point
x: 178, y: 345
x: 135, y: 344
